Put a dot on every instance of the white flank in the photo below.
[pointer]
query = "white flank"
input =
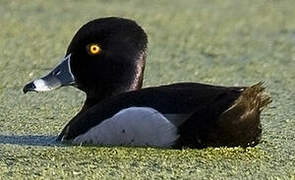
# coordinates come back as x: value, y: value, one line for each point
x: 135, y: 126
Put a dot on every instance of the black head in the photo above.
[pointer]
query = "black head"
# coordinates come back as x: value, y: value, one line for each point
x: 105, y: 57
x: 108, y: 56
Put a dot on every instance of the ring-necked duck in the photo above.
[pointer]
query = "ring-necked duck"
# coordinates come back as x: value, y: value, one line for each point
x: 106, y: 60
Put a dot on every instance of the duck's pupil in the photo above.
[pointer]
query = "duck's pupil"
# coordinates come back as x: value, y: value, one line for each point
x: 94, y: 49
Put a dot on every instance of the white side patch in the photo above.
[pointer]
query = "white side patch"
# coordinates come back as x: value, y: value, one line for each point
x: 135, y: 126
x: 41, y: 85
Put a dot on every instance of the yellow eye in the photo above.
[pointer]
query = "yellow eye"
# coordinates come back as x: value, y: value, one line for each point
x: 93, y: 49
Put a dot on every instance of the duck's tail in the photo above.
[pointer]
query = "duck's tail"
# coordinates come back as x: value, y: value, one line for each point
x: 253, y: 97
x: 240, y: 123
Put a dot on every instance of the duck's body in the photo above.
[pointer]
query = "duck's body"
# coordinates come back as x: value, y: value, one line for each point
x: 203, y: 115
x: 118, y: 112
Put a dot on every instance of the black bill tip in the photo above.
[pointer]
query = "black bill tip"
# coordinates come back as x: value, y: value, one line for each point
x: 29, y: 87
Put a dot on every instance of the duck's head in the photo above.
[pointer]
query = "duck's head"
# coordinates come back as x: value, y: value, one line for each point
x: 105, y: 57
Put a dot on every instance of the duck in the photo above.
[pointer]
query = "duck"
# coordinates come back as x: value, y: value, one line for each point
x: 106, y: 60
